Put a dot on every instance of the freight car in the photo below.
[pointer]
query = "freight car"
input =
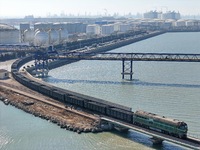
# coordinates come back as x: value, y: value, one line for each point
x: 162, y: 124
x: 94, y: 106
x: 74, y: 100
x: 121, y: 114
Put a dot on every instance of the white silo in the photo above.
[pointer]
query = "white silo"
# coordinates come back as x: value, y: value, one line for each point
x: 180, y: 23
x: 8, y: 34
x: 63, y: 35
x: 41, y: 38
x: 29, y: 36
x: 53, y: 36
x: 190, y: 23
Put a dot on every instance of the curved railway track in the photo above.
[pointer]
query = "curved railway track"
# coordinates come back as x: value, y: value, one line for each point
x: 29, y: 93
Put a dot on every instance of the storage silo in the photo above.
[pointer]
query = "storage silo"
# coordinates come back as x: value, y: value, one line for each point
x: 41, y: 38
x: 8, y: 34
x: 29, y: 36
x: 63, y: 35
x: 53, y: 36
x: 190, y: 23
x: 180, y: 23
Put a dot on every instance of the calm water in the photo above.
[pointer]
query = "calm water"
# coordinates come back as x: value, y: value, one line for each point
x: 170, y: 89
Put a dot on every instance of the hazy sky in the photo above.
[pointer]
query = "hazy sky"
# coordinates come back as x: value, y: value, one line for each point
x: 21, y: 8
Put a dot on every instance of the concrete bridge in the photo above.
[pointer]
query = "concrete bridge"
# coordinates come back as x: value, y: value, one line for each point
x: 156, y: 137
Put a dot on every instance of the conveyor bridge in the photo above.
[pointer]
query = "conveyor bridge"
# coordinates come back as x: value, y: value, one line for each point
x: 128, y: 58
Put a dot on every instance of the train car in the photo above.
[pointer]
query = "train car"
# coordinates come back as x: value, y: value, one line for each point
x: 16, y: 76
x: 23, y: 80
x: 57, y: 94
x: 101, y: 101
x: 162, y: 124
x: 74, y: 100
x: 44, y: 89
x: 34, y: 85
x: 97, y: 107
x: 121, y: 114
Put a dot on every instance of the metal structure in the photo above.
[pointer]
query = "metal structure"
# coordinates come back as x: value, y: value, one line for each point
x: 134, y: 56
x: 128, y: 58
x: 18, y: 48
x: 41, y: 64
x: 127, y: 68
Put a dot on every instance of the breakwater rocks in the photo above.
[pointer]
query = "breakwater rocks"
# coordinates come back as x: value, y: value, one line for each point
x: 65, y: 119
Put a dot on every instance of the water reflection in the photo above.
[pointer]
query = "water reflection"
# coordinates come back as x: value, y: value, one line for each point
x: 123, y: 82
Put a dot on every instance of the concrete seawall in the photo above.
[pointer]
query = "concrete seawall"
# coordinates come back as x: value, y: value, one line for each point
x: 126, y: 42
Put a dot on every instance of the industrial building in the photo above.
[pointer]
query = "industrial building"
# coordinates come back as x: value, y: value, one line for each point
x: 107, y: 29
x: 171, y: 15
x: 151, y: 15
x: 45, y: 34
x: 160, y: 15
x: 93, y: 29
x: 3, y: 74
x: 8, y: 34
x: 124, y: 27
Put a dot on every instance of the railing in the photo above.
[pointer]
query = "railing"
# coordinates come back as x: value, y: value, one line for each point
x: 18, y: 48
x: 133, y: 56
x: 196, y: 136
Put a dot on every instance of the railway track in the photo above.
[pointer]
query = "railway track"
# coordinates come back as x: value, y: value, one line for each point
x: 32, y: 94
x: 16, y: 87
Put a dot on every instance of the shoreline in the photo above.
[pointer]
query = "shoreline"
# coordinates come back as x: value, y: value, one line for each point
x: 65, y: 116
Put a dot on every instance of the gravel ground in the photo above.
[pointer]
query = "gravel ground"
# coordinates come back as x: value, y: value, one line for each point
x: 41, y: 106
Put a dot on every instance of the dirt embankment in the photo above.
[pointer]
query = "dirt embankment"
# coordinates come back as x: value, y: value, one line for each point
x: 66, y: 117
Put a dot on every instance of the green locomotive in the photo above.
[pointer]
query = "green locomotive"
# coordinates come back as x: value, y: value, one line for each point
x: 162, y: 124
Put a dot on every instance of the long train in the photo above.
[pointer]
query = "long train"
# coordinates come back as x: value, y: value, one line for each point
x: 140, y: 118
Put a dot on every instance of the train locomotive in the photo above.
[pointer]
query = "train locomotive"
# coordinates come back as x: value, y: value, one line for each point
x: 162, y: 124
x: 148, y: 120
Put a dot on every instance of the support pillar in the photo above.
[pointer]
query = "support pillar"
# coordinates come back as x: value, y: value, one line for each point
x: 127, y: 68
x: 156, y: 140
x: 123, y: 66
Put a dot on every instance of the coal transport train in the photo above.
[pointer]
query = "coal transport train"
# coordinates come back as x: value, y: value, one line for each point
x: 162, y: 124
x: 141, y: 118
